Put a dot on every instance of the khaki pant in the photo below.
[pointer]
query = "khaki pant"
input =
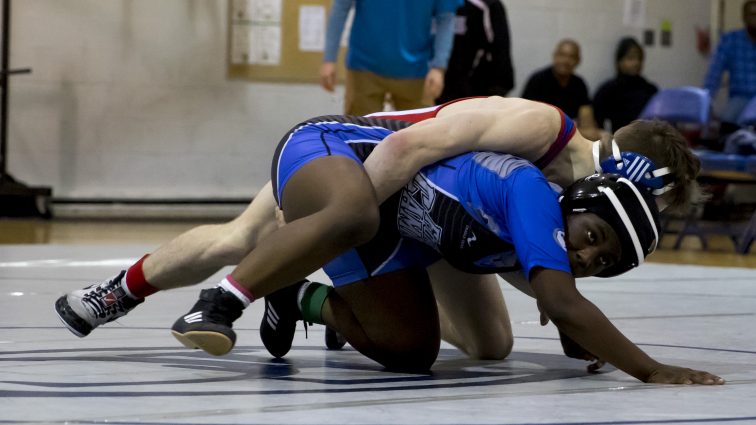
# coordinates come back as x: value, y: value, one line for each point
x: 366, y: 93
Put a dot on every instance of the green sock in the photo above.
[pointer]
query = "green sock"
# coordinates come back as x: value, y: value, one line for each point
x: 312, y: 296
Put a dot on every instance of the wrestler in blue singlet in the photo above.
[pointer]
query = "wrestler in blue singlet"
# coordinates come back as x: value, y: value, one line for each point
x: 483, y: 212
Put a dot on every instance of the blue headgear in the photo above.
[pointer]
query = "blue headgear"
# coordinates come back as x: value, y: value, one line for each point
x: 635, y: 167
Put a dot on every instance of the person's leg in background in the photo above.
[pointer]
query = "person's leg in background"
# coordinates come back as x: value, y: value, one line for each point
x: 407, y: 94
x: 188, y: 259
x: 364, y: 93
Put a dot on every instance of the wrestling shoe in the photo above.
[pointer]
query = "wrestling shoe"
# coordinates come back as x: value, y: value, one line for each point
x: 208, y: 324
x: 280, y: 319
x: 333, y: 339
x: 85, y: 309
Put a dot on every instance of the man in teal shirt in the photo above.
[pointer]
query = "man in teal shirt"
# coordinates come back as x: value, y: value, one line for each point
x: 393, y: 51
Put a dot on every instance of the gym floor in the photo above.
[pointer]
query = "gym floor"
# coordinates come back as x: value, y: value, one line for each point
x: 689, y: 307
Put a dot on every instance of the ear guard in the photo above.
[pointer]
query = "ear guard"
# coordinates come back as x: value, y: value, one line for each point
x: 635, y: 167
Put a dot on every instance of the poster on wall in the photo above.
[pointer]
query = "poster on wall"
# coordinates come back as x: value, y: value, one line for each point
x: 256, y: 32
x: 312, y: 25
x: 634, y: 14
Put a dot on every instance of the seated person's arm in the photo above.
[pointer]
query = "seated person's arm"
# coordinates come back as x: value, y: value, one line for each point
x: 587, y: 123
x: 509, y: 125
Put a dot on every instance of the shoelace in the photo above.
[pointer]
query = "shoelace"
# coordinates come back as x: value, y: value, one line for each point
x: 96, y: 300
x: 219, y: 312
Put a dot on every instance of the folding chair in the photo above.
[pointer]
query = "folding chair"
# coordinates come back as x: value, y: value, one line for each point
x: 724, y: 168
x: 679, y: 105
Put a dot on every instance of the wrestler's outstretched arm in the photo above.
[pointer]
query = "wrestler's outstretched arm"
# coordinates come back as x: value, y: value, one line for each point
x: 516, y: 126
x: 582, y: 321
x: 571, y: 348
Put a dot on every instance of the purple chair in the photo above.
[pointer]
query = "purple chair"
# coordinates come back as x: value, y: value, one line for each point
x: 679, y: 105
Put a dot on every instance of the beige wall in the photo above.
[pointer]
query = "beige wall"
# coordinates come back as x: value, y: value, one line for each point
x: 129, y: 99
x: 732, y: 14
x: 537, y: 25
x: 726, y: 15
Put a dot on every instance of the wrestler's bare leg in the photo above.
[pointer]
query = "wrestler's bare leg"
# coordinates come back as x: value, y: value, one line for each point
x: 472, y: 312
x: 198, y: 253
x: 329, y: 205
x: 186, y: 260
x: 390, y: 318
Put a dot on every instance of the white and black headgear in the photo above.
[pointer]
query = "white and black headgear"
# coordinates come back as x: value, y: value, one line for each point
x: 632, y: 214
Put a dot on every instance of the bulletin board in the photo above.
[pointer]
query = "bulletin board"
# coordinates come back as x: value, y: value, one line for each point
x: 278, y: 40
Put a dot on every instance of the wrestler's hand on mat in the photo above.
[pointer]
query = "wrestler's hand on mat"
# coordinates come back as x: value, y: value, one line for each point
x: 667, y: 374
x: 328, y: 75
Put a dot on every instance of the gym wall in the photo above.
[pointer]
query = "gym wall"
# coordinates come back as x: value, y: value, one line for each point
x: 129, y: 99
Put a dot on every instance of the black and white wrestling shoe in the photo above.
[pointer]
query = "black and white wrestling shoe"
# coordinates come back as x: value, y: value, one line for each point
x: 208, y: 325
x: 280, y: 319
x: 85, y: 309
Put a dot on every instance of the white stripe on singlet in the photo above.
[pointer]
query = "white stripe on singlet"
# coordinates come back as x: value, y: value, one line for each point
x: 407, y: 112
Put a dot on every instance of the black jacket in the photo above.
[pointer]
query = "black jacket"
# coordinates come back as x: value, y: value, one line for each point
x: 621, y: 100
x: 480, y: 62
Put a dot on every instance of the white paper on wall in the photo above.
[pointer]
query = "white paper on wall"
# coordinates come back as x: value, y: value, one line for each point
x: 240, y: 39
x: 256, y: 10
x: 312, y: 22
x: 240, y: 10
x: 634, y: 14
x: 256, y: 32
x: 267, y: 10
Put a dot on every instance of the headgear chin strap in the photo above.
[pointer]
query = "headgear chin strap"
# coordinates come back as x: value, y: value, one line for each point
x: 635, y: 167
